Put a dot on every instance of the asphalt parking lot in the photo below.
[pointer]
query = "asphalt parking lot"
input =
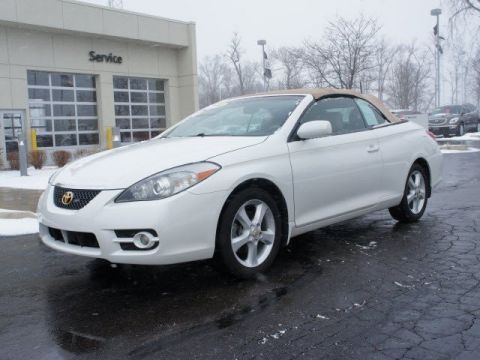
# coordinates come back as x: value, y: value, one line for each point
x: 364, y: 289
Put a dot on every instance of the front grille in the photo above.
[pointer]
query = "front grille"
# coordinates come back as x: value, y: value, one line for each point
x: 79, y: 198
x: 82, y: 239
x: 56, y: 234
x: 74, y: 238
x: 437, y: 122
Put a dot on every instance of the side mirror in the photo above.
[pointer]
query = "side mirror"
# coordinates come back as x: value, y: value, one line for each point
x: 314, y: 129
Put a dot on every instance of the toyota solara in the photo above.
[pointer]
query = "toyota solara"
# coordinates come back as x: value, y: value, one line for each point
x: 236, y: 180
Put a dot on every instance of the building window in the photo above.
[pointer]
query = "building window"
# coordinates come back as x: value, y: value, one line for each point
x: 63, y: 108
x: 139, y: 107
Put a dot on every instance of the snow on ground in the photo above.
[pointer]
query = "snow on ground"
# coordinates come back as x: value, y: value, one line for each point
x: 453, y: 151
x: 26, y: 223
x: 10, y: 227
x: 467, y: 136
x: 36, y: 179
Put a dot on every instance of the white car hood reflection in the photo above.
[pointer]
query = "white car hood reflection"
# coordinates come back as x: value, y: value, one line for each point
x: 122, y: 167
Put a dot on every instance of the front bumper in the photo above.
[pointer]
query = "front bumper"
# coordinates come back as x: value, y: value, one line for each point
x: 445, y: 130
x: 185, y: 223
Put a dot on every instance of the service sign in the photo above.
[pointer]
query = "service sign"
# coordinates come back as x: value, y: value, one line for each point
x: 107, y: 58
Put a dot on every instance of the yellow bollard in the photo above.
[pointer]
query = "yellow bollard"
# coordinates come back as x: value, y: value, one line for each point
x: 33, y: 139
x: 109, y: 138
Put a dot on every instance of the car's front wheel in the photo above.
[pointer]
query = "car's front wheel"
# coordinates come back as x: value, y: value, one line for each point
x: 414, y: 199
x: 249, y: 233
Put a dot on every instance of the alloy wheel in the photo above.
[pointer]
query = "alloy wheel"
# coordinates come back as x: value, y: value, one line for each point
x: 253, y: 233
x: 416, y: 192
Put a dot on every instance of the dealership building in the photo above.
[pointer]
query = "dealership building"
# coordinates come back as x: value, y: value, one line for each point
x: 72, y: 73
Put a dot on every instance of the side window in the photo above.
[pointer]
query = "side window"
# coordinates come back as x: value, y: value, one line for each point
x: 341, y: 112
x: 372, y: 116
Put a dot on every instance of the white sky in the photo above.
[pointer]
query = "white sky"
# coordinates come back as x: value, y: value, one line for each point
x: 283, y: 22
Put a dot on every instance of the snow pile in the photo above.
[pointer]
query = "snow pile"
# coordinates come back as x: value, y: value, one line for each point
x: 36, y: 179
x: 14, y: 222
x: 10, y: 227
x: 467, y: 136
x: 458, y: 151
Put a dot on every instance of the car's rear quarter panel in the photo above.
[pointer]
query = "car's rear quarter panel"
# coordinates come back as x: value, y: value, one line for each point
x: 401, y: 145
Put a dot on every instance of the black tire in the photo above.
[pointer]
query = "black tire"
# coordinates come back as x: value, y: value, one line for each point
x: 402, y: 212
x: 224, y: 251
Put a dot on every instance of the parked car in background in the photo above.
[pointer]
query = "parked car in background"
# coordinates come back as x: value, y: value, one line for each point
x: 412, y: 115
x: 242, y: 177
x: 454, y: 120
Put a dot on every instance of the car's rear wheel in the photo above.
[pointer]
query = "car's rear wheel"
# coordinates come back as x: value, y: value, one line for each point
x: 414, y: 199
x: 249, y: 233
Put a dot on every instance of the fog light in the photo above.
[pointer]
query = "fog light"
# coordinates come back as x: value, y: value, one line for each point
x: 144, y: 240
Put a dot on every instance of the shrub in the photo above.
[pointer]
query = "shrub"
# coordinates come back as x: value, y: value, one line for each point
x: 61, y: 157
x: 80, y: 153
x: 13, y: 159
x: 37, y: 158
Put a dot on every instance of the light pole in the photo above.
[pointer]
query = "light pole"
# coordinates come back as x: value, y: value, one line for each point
x: 438, y: 51
x: 262, y: 43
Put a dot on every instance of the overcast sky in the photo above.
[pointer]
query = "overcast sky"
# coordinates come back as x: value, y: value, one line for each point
x: 283, y: 22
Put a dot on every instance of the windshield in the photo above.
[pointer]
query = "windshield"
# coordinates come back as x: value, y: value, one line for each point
x: 452, y: 109
x: 260, y: 116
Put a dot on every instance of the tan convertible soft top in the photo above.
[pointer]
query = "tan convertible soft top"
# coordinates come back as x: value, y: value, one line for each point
x: 319, y: 93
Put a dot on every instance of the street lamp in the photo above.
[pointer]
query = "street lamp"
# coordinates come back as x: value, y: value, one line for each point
x: 438, y: 51
x: 262, y: 43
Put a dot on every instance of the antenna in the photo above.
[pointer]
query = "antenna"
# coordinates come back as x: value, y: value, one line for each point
x: 117, y: 4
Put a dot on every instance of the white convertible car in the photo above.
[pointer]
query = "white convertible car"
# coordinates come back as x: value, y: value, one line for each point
x: 239, y: 178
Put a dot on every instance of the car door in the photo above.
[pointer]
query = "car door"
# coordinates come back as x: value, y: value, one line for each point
x: 337, y: 174
x: 470, y: 118
x: 476, y: 115
x: 396, y: 144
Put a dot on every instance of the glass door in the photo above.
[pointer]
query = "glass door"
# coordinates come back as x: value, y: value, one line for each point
x: 12, y: 122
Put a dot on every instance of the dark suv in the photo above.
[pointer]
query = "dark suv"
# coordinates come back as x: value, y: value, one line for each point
x: 454, y: 120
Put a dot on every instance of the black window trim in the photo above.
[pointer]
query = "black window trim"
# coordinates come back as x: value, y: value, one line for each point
x: 293, y: 134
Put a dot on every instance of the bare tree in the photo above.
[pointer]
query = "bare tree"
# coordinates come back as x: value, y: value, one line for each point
x: 229, y: 87
x: 384, y: 57
x: 345, y: 52
x: 234, y: 53
x: 476, y: 77
x: 251, y: 74
x: 291, y: 66
x: 410, y: 76
x: 464, y: 7
x: 211, y: 76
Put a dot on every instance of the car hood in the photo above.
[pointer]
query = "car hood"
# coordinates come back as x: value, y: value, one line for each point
x: 442, y: 116
x: 122, y: 167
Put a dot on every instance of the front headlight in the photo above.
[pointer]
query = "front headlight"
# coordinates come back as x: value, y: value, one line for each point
x: 168, y: 182
x: 453, y: 120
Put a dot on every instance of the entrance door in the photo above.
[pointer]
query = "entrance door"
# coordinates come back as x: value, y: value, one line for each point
x: 12, y: 123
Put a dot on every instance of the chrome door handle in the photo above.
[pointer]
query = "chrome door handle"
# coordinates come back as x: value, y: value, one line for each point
x: 373, y: 148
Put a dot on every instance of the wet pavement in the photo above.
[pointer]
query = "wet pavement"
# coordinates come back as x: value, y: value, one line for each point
x: 363, y: 289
